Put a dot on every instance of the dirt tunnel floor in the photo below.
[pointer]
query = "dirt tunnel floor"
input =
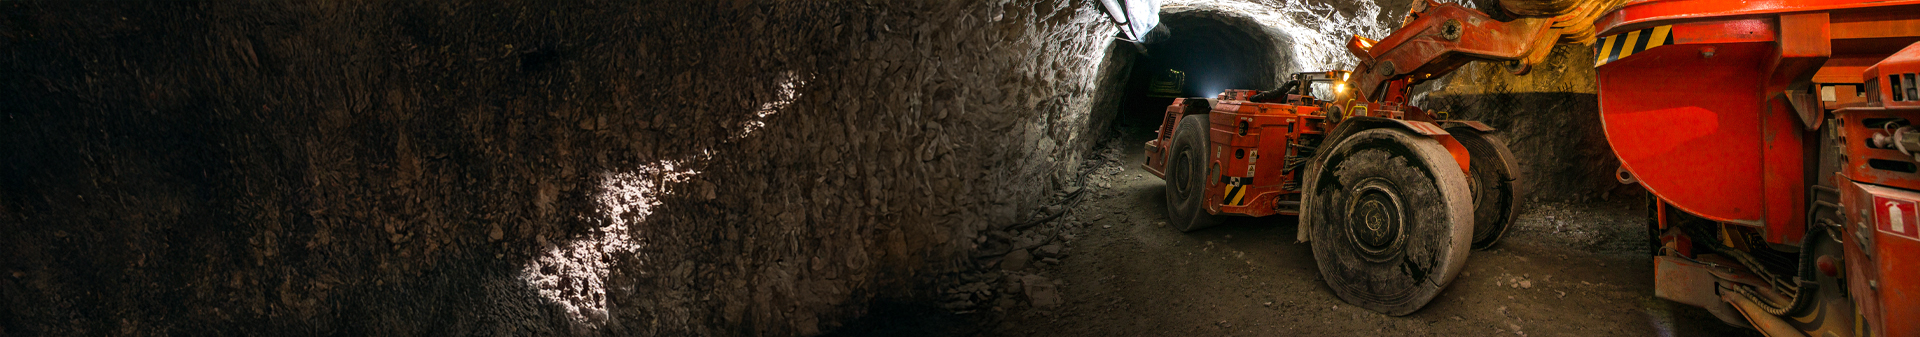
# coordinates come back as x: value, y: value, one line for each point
x: 1565, y: 270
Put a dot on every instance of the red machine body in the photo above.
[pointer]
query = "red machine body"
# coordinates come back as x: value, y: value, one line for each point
x: 1256, y: 141
x: 1689, y: 116
x: 1240, y: 130
x: 1717, y: 107
x: 1878, y: 186
x: 1780, y: 141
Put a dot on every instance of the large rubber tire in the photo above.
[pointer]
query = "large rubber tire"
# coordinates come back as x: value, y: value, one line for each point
x: 1391, y: 222
x: 1495, y: 185
x: 1187, y: 176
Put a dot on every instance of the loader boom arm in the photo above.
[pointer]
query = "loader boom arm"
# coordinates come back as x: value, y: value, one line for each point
x: 1437, y: 38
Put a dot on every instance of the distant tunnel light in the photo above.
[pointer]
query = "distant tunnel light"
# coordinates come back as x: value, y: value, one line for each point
x: 1320, y: 32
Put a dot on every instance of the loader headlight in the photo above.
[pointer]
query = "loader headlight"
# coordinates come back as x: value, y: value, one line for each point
x: 1338, y: 75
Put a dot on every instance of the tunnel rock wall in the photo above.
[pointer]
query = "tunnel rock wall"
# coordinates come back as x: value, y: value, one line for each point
x: 512, y: 168
x: 1549, y: 117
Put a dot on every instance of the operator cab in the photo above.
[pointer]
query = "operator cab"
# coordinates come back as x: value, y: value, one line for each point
x: 1308, y: 89
x: 1305, y: 89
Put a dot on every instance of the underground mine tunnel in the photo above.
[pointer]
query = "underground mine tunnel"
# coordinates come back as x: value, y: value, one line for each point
x: 1194, y: 53
x: 940, y: 168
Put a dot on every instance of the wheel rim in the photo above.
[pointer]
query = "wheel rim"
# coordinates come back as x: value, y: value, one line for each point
x: 1377, y: 224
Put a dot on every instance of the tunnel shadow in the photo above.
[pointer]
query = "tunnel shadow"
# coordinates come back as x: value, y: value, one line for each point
x: 1556, y: 138
x: 908, y: 318
x: 196, y: 188
x: 1211, y: 49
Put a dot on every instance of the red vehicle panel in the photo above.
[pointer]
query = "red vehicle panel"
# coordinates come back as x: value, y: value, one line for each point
x: 1717, y: 119
x: 1882, y: 233
x: 1728, y: 112
x: 1697, y: 149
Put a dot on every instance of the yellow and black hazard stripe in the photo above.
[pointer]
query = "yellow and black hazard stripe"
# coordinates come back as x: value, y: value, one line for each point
x: 1618, y: 46
x: 1236, y: 191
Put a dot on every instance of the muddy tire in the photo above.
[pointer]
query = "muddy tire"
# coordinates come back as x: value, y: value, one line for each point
x: 1187, y: 176
x: 1494, y: 185
x: 1391, y: 220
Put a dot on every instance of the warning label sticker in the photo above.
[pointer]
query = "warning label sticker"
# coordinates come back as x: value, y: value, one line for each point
x: 1896, y: 217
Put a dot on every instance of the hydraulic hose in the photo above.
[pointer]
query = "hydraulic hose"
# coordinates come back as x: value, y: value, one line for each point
x: 1804, y: 296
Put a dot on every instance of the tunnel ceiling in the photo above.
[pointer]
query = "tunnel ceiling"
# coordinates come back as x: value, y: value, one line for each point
x: 1217, y: 50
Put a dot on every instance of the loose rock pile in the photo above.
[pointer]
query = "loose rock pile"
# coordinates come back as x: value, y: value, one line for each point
x: 1011, y: 264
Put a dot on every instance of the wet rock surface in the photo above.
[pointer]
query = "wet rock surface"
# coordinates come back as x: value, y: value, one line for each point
x: 520, y: 168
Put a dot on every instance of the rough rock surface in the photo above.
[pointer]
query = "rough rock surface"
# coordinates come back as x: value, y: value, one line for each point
x: 519, y: 167
x: 590, y: 168
x: 1549, y: 117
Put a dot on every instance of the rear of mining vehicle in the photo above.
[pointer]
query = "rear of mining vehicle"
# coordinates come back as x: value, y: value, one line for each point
x: 1776, y: 139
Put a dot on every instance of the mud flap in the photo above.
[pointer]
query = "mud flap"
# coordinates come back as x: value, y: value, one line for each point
x: 1692, y: 283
